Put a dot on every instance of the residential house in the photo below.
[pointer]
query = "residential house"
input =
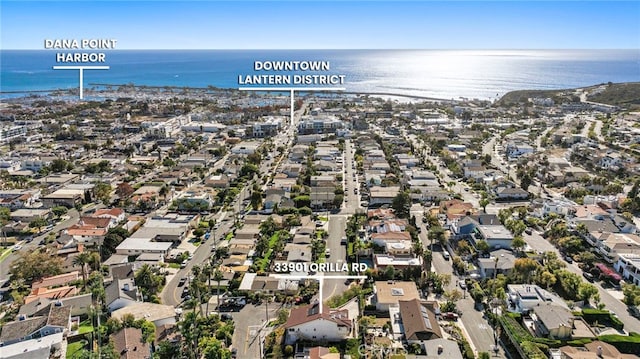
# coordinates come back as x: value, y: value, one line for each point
x: 129, y: 344
x: 115, y: 215
x: 594, y: 350
x: 500, y: 262
x: 57, y: 320
x: 158, y: 314
x: 382, y: 195
x: 418, y: 321
x: 524, y: 297
x: 79, y: 304
x: 552, y: 321
x: 251, y: 282
x: 316, y: 353
x: 511, y: 193
x: 308, y: 323
x: 50, y: 293
x: 121, y: 293
x: 610, y: 161
x: 387, y: 225
x: 389, y: 293
x: 628, y: 264
x: 322, y: 197
x: 56, y: 281
x: 455, y: 209
x: 217, y: 181
x: 29, y: 215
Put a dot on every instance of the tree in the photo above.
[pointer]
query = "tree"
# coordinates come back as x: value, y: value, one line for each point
x: 32, y: 266
x: 453, y: 295
x: 401, y: 204
x: 482, y: 246
x: 518, y: 243
x: 484, y: 202
x: 547, y: 279
x: 525, y: 181
x: 256, y: 199
x: 59, y: 210
x: 81, y: 260
x: 102, y: 191
x: 59, y: 165
x: 38, y: 223
x: 525, y: 267
x: 569, y: 282
x: 148, y: 281
x: 586, y: 291
x: 112, y: 239
x: 218, y: 277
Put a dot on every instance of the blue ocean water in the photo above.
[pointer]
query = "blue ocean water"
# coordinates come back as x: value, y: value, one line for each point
x: 484, y: 74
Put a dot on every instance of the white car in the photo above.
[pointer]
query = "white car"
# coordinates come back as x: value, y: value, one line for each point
x: 17, y: 247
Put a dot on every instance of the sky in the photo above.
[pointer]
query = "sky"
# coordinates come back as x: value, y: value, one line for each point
x: 325, y: 24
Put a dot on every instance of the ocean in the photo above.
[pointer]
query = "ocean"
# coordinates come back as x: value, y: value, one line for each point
x: 446, y: 74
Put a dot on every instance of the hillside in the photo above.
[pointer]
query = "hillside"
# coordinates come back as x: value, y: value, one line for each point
x: 625, y: 95
x: 522, y: 96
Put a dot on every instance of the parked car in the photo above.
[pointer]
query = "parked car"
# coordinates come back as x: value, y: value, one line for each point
x: 343, y: 241
x: 182, y: 281
x: 446, y: 255
x: 588, y: 276
x: 450, y: 316
x: 463, y: 285
x: 528, y: 231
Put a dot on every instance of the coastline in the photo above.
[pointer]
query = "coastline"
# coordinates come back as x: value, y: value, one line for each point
x: 210, y: 89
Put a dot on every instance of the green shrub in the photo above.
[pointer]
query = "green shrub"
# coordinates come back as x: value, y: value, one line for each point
x: 532, y: 351
x: 579, y: 342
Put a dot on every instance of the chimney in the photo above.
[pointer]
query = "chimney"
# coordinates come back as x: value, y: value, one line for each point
x: 599, y: 351
x: 126, y: 287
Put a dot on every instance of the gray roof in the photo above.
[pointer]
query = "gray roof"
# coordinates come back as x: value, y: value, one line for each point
x: 21, y: 328
x: 449, y: 349
x: 115, y: 290
x: 605, y: 225
x: 39, y: 306
x: 553, y: 316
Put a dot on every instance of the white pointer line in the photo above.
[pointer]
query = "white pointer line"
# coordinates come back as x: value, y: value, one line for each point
x: 81, y: 69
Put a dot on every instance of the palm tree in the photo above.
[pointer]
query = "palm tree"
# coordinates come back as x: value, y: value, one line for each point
x: 81, y: 260
x: 208, y: 271
x: 94, y: 260
x: 217, y: 276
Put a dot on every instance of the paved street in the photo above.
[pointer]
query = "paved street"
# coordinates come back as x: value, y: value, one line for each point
x: 5, y: 265
x: 250, y: 328
x: 337, y: 226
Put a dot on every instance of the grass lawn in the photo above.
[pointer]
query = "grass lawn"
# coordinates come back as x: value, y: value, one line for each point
x: 85, y: 327
x: 73, y: 348
x: 174, y: 265
x: 229, y: 236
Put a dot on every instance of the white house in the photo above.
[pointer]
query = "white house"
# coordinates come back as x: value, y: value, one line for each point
x: 307, y: 323
x: 629, y: 266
